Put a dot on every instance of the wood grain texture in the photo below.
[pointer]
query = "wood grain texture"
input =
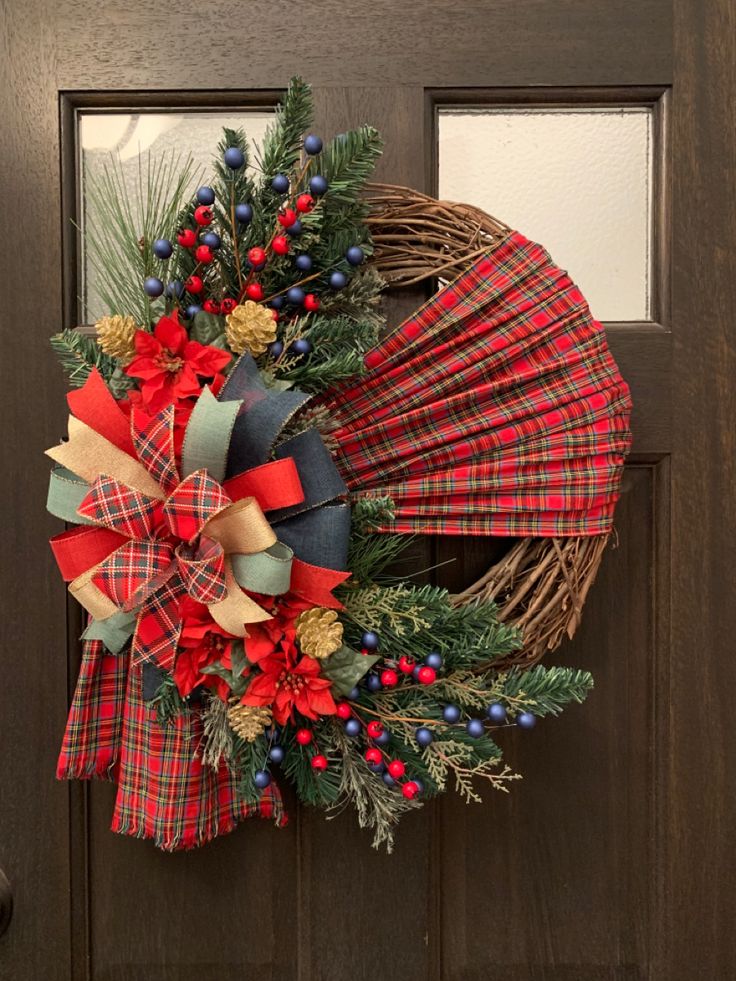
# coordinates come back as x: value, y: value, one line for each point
x: 700, y: 841
x: 428, y: 42
x: 33, y: 807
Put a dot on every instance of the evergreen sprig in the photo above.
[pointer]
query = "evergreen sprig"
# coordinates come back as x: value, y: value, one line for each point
x: 79, y: 354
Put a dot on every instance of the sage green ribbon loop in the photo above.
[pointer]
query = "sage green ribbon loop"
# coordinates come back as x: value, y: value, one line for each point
x: 114, y: 631
x: 66, y: 493
x: 268, y: 572
x: 207, y: 436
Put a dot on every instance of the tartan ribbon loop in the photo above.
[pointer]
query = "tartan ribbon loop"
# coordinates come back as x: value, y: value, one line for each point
x: 153, y: 440
x: 120, y: 508
x: 134, y: 572
x: 202, y: 569
x: 194, y: 502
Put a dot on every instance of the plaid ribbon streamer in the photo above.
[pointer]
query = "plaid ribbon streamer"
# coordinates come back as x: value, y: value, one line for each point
x: 165, y: 792
x: 496, y: 409
x: 91, y: 744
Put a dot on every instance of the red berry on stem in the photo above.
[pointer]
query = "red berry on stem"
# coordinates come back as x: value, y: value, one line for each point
x: 203, y: 253
x: 193, y: 285
x: 406, y: 664
x: 254, y: 291
x: 304, y: 736
x: 311, y: 302
x: 280, y: 245
x: 305, y: 202
x: 374, y: 729
x: 203, y: 215
x: 256, y: 256
x: 373, y: 755
x: 211, y: 306
x: 319, y: 762
x: 396, y: 768
x: 426, y: 675
x: 389, y: 678
x: 343, y: 710
x: 410, y: 790
x: 187, y: 237
x: 228, y: 305
x: 287, y: 218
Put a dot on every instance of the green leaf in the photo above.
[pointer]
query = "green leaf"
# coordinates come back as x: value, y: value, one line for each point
x: 206, y: 328
x: 346, y: 667
x: 234, y: 677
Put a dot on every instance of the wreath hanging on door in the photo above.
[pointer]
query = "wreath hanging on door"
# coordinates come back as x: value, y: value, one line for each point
x: 250, y: 451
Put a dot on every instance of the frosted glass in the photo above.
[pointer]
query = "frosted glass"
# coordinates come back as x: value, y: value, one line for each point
x: 577, y: 181
x: 129, y: 137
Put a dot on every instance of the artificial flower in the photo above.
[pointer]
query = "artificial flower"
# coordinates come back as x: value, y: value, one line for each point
x: 169, y: 365
x: 202, y: 642
x: 289, y: 683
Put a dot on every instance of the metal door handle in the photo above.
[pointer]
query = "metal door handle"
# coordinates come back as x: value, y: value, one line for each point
x: 6, y: 903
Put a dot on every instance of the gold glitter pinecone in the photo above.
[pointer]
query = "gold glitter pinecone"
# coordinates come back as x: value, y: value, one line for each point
x: 116, y: 336
x: 248, y: 721
x: 319, y: 632
x: 250, y: 327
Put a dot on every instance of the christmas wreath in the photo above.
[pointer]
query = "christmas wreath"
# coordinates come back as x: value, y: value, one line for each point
x: 249, y: 453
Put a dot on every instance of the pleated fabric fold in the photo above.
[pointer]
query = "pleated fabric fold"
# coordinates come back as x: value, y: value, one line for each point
x: 496, y: 409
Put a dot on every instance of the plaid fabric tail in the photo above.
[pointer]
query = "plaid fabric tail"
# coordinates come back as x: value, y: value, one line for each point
x: 496, y: 409
x: 164, y: 791
x: 91, y: 744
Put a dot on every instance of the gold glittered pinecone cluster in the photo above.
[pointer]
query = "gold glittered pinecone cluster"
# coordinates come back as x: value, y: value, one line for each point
x: 319, y: 632
x: 116, y: 337
x: 250, y: 327
x: 248, y: 721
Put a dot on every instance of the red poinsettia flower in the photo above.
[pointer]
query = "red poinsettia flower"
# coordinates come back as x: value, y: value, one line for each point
x: 289, y: 682
x: 169, y: 365
x: 202, y: 642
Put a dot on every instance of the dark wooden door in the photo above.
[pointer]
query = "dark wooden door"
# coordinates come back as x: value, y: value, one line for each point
x: 614, y: 858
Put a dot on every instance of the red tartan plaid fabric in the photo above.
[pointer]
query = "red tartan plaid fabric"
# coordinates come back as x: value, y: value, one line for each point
x: 496, y: 409
x: 154, y: 446
x: 91, y: 744
x: 164, y: 791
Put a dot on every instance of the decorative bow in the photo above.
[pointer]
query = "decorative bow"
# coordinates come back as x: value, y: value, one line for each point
x: 153, y: 535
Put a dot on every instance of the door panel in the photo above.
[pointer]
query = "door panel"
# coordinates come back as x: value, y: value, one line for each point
x: 610, y: 860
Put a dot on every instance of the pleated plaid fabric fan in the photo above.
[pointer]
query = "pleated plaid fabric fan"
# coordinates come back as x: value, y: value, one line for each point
x: 496, y: 409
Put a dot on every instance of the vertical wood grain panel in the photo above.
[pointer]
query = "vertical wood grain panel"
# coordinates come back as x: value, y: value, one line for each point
x: 701, y: 833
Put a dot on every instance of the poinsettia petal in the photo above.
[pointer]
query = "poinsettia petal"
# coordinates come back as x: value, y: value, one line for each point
x: 170, y: 333
x: 304, y: 705
x: 146, y: 344
x: 144, y: 367
x: 205, y: 359
x: 185, y: 383
x: 323, y: 703
x: 307, y: 666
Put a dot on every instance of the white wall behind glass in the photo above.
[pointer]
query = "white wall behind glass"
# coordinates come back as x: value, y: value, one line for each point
x: 577, y: 181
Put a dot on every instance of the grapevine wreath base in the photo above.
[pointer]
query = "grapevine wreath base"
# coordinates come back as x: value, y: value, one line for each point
x: 249, y: 452
x: 540, y: 584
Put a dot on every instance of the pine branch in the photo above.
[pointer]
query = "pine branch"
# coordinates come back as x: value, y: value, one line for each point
x: 78, y: 355
x: 545, y: 691
x: 167, y: 702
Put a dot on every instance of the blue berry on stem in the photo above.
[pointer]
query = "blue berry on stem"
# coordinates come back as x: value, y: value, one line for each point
x: 244, y: 213
x: 475, y: 728
x: 301, y: 346
x: 338, y: 280
x: 451, y: 714
x: 496, y: 713
x: 280, y: 183
x: 383, y: 739
x: 354, y: 693
x: 423, y: 736
x: 153, y: 286
x: 295, y: 296
x: 212, y: 239
x: 193, y: 310
x: 276, y: 349
x: 526, y: 720
x: 352, y: 727
x: 234, y: 157
x: 262, y: 779
x: 276, y: 754
x: 433, y: 660
x: 174, y: 289
x: 303, y: 262
x: 370, y: 640
x: 162, y: 248
x: 205, y: 195
x: 355, y: 255
x: 294, y: 229
x: 312, y: 144
x: 389, y: 780
x: 277, y: 302
x: 318, y: 184
x: 373, y: 683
